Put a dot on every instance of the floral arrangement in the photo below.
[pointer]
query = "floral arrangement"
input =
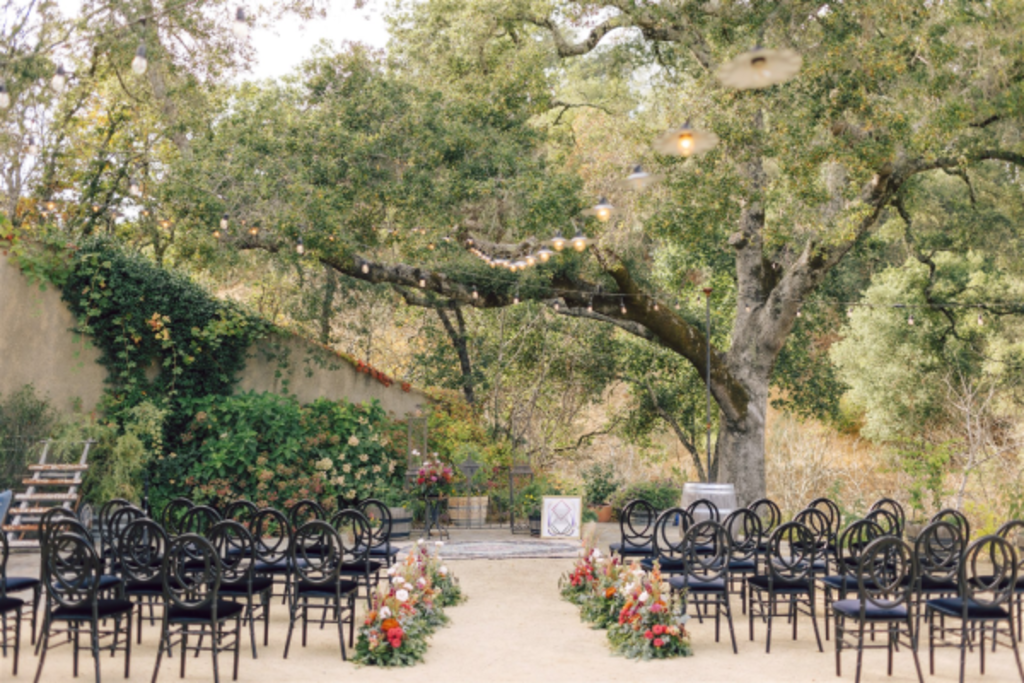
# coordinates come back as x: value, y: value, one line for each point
x: 434, y: 478
x: 649, y: 626
x: 634, y: 605
x: 407, y: 609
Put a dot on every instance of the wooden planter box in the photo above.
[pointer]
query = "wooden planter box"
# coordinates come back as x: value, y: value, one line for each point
x: 468, y: 511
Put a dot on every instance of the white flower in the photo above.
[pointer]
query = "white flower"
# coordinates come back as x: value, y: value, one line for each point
x: 421, y: 582
x: 402, y: 595
x: 397, y: 580
x: 415, y: 451
x: 392, y: 570
x: 408, y: 586
x: 438, y: 557
x: 643, y: 597
x: 443, y: 571
x: 420, y: 542
x: 353, y: 440
x: 638, y: 572
x: 439, y: 543
x: 385, y: 612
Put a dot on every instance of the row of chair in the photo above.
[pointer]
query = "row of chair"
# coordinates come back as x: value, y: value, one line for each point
x: 205, y: 571
x: 941, y: 574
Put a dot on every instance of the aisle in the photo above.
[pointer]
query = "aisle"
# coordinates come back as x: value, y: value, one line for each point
x: 514, y: 628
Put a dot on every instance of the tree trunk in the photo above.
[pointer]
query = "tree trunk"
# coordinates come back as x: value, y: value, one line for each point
x: 740, y: 447
x: 460, y: 343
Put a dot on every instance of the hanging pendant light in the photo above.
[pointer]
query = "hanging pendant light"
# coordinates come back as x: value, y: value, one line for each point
x: 300, y: 248
x: 476, y: 294
x: 602, y: 211
x: 520, y: 265
x: 134, y: 187
x: 580, y: 241
x: 590, y: 305
x: 224, y: 222
x: 531, y: 260
x: 59, y: 80
x: 140, y: 63
x: 760, y: 68
x: 216, y: 234
x: 685, y: 141
x: 544, y: 254
x: 5, y: 97
x: 31, y: 148
x: 254, y: 230
x: 622, y: 307
x: 365, y: 268
x: 240, y: 27
x: 640, y: 179
x: 558, y: 242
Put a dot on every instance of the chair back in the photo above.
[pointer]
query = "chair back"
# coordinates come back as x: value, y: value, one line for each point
x: 886, y: 520
x: 853, y: 541
x: 5, y: 551
x: 988, y: 572
x: 636, y: 522
x: 886, y: 573
x: 819, y: 524
x: 895, y: 509
x: 49, y: 519
x: 832, y: 511
x: 792, y: 552
x: 353, y: 529
x: 241, y: 511
x: 141, y: 547
x: 107, y: 511
x: 235, y: 547
x: 379, y: 516
x: 191, y: 573
x: 71, y: 570
x: 272, y: 535
x: 110, y: 531
x: 305, y: 511
x: 939, y: 550
x: 198, y: 520
x: 5, y: 504
x: 316, y: 554
x: 745, y: 534
x: 706, y: 552
x: 173, y: 514
x: 768, y: 512
x: 61, y: 523
x: 957, y: 519
x: 668, y: 534
x: 704, y: 509
x: 1013, y: 531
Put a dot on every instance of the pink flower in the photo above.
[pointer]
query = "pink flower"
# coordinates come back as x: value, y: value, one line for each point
x: 648, y: 635
x: 658, y: 642
x: 658, y: 629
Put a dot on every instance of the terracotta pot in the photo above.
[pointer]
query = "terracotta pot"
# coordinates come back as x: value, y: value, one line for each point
x: 604, y: 513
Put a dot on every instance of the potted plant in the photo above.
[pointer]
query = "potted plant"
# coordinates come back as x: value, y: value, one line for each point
x: 599, y: 485
x: 529, y: 500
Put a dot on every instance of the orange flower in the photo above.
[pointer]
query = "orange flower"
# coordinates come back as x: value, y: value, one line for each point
x: 389, y: 624
x: 371, y: 617
x: 609, y: 593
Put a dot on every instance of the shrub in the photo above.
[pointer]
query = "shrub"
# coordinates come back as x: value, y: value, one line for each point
x: 661, y: 494
x: 599, y: 483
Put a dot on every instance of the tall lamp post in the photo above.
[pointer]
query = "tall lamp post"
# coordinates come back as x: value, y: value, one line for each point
x: 707, y: 376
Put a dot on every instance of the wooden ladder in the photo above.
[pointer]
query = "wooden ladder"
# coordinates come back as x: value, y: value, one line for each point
x: 32, y: 505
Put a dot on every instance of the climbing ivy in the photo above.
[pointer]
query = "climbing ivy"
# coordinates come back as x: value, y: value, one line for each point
x: 162, y: 337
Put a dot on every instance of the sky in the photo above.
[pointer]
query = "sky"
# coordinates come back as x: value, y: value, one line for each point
x: 282, y: 48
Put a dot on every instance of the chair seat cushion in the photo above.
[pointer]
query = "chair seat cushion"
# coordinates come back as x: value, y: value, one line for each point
x: 668, y: 564
x: 106, y: 582
x: 259, y: 584
x: 628, y: 548
x: 954, y: 607
x: 697, y: 586
x: 104, y: 608
x: 360, y: 566
x: 144, y: 587
x: 382, y: 550
x: 742, y: 566
x: 279, y: 567
x: 851, y: 608
x: 188, y: 615
x: 321, y: 591
x: 930, y: 585
x: 779, y: 585
x: 13, y: 584
x: 844, y: 582
x: 10, y: 604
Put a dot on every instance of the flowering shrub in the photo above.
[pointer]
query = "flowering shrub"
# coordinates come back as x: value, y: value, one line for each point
x: 649, y: 626
x: 606, y: 597
x: 434, y: 477
x: 406, y: 609
x: 577, y: 586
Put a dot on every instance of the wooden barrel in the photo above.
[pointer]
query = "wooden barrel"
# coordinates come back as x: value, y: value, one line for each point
x: 722, y: 495
x: 467, y: 511
x: 401, y: 523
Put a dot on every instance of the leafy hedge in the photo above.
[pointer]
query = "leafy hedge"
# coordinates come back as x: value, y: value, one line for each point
x: 272, y: 450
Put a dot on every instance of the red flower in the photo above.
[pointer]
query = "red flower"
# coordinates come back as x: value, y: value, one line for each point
x: 648, y: 635
x: 658, y: 629
x: 658, y: 642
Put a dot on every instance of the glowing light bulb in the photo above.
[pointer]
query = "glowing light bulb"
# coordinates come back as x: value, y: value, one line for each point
x: 31, y: 148
x: 365, y: 268
x: 5, y: 97
x: 849, y: 312
x: 544, y: 254
x: 140, y: 63
x: 590, y: 306
x: 423, y: 282
x: 531, y: 260
x: 622, y: 308
x: 254, y: 230
x: 557, y: 306
x: 515, y: 299
x: 224, y: 222
x: 300, y: 248
x: 686, y: 144
x: 981, y: 321
x: 603, y: 210
x: 799, y: 313
x: 655, y: 305
x: 476, y: 294
x: 59, y: 80
x: 558, y: 242
x: 760, y: 65
x: 216, y: 234
x: 240, y: 27
x: 134, y: 187
x: 910, y: 319
x: 580, y: 241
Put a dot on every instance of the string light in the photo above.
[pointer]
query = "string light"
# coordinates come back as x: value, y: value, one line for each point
x: 798, y: 313
x: 240, y: 27
x: 476, y: 294
x: 981, y: 321
x: 580, y: 241
x: 640, y: 179
x: 59, y: 80
x: 254, y: 230
x: 140, y: 63
x: 5, y: 97
x: 590, y: 305
x: 365, y: 268
x: 558, y: 242
x: 423, y: 281
x: 622, y: 308
x: 602, y: 211
x: 134, y: 188
x: 300, y: 248
x: 849, y: 312
x: 531, y: 260
x: 544, y: 254
x: 31, y: 148
x: 556, y: 306
x: 216, y: 234
x: 224, y: 222
x: 910, y: 319
x: 685, y: 141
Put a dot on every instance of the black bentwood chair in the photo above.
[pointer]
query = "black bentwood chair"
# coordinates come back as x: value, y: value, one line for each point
x: 317, y: 577
x: 235, y: 548
x: 191, y: 580
x: 17, y: 584
x: 636, y: 525
x: 1014, y: 533
x: 705, y: 575
x: 379, y: 516
x: 305, y: 510
x: 7, y: 606
x: 939, y: 549
x: 272, y: 534
x: 71, y: 573
x: 821, y: 529
x: 986, y: 580
x: 667, y: 542
x: 853, y: 540
x: 771, y: 516
x: 107, y: 532
x: 173, y: 514
x: 835, y: 521
x: 356, y: 565
x: 241, y: 511
x: 885, y: 577
x: 957, y: 519
x: 141, y: 547
x: 745, y: 539
x: 893, y: 508
x: 792, y: 553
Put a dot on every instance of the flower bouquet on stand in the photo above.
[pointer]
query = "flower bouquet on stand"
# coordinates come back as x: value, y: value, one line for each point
x: 434, y: 478
x: 649, y: 625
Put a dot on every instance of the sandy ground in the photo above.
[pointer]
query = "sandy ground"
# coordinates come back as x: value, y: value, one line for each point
x: 515, y: 627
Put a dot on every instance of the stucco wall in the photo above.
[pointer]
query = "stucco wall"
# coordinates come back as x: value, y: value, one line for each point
x: 38, y: 347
